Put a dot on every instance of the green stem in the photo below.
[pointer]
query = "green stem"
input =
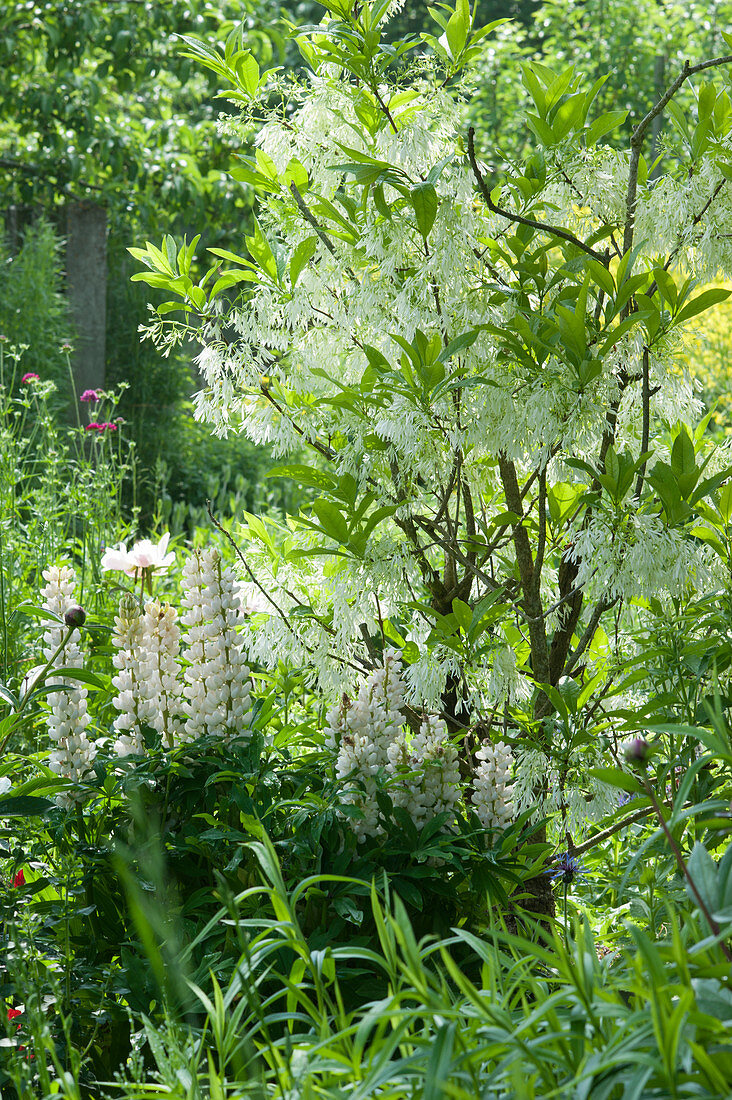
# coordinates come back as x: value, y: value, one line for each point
x: 683, y: 867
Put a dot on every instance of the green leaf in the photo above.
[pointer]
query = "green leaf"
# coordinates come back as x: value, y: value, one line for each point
x: 302, y: 255
x: 331, y: 520
x: 440, y: 1062
x: 457, y: 33
x: 615, y: 777
x: 702, y: 302
x: 25, y: 805
x: 463, y: 613
x: 604, y: 125
x: 703, y: 871
x: 423, y: 198
x: 306, y: 475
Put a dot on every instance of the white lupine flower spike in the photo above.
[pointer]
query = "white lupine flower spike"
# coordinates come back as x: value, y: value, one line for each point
x: 421, y: 772
x: 130, y: 680
x: 217, y: 695
x: 73, y: 752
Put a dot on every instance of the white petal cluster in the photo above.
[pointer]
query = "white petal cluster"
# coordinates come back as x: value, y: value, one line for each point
x: 217, y: 699
x: 364, y: 730
x: 421, y: 772
x: 492, y: 798
x: 73, y: 752
x: 130, y: 680
x: 428, y: 770
x: 161, y: 643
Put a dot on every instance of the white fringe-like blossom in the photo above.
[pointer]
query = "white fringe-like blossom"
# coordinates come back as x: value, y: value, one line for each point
x: 73, y: 752
x: 217, y: 697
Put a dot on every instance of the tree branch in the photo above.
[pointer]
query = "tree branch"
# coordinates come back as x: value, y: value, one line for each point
x: 636, y: 141
x: 553, y: 230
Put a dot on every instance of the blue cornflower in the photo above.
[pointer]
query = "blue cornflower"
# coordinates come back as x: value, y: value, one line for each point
x: 568, y: 869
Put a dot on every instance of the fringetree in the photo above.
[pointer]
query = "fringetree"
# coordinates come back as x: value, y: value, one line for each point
x: 489, y: 381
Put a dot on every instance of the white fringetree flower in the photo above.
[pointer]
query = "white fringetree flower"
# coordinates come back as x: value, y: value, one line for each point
x: 217, y: 696
x: 73, y: 751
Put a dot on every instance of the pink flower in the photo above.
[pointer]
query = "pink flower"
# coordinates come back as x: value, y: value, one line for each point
x: 143, y: 555
x: 19, y: 879
x: 93, y: 427
x: 119, y: 559
x: 90, y: 395
x: 30, y: 377
x: 149, y: 555
x: 108, y: 427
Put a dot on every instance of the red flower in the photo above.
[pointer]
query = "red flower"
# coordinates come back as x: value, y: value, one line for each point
x: 19, y: 879
x: 13, y: 1012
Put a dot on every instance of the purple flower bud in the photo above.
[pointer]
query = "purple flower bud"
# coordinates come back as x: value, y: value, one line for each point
x: 75, y: 617
x: 637, y: 751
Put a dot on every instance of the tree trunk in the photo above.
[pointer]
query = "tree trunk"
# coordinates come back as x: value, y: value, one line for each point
x: 86, y: 276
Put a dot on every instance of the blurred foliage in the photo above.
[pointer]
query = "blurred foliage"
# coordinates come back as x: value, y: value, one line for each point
x: 104, y: 106
x: 710, y: 360
x: 33, y: 309
x: 639, y: 46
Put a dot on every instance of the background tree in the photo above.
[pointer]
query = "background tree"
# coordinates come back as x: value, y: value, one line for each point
x: 100, y: 106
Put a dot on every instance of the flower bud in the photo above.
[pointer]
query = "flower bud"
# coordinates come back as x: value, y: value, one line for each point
x: 75, y: 617
x: 637, y: 751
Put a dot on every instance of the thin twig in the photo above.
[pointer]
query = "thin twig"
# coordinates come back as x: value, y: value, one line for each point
x: 282, y: 615
x: 554, y: 230
x: 636, y: 141
x: 599, y: 838
x: 310, y: 218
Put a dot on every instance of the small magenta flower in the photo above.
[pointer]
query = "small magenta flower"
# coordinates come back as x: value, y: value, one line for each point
x: 108, y: 427
x: 93, y: 427
x: 637, y: 751
x: 90, y: 395
x: 75, y: 617
x: 568, y: 869
x: 30, y: 377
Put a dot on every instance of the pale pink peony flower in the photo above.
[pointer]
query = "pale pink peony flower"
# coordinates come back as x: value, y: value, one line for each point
x: 119, y: 559
x: 149, y: 555
x: 143, y: 555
